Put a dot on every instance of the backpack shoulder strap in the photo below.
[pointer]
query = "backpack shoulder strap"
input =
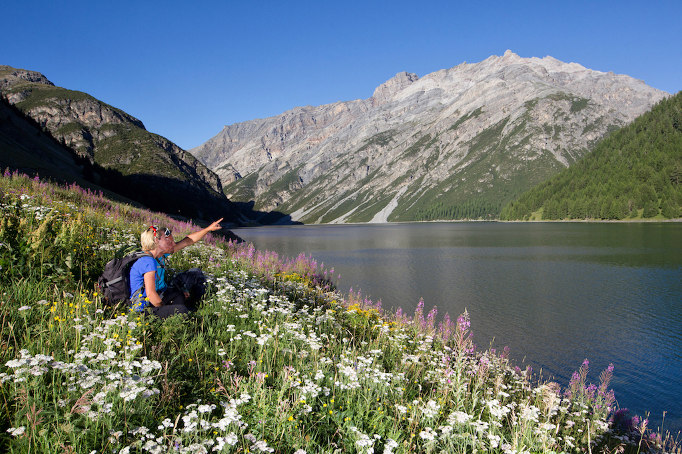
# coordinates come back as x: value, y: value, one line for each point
x: 134, y: 255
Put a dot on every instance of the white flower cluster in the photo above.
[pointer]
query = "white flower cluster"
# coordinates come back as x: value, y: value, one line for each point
x: 362, y: 371
x: 200, y: 432
x: 106, y: 375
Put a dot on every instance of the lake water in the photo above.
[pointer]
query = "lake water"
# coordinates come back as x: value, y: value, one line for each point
x: 554, y: 293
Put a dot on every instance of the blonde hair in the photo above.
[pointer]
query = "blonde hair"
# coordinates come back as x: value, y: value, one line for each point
x: 147, y: 240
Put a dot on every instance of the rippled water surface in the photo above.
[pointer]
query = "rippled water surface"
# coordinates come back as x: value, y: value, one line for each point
x: 555, y: 293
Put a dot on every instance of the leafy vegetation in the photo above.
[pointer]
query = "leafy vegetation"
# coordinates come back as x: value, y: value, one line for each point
x: 635, y: 173
x: 274, y: 360
x: 131, y: 150
x: 367, y: 211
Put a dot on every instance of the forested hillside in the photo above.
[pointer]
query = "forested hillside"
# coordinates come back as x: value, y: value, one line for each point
x: 634, y: 173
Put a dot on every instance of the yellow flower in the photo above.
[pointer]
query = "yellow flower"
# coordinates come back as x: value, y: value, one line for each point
x: 190, y: 360
x: 291, y: 418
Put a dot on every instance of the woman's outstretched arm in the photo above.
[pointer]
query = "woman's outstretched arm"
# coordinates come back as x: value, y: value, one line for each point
x: 198, y: 235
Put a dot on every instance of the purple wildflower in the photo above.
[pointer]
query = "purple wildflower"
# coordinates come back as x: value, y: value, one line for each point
x: 431, y: 318
x: 463, y: 322
x: 419, y: 314
x: 505, y: 352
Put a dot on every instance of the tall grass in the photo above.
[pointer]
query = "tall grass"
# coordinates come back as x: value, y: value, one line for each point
x: 274, y: 360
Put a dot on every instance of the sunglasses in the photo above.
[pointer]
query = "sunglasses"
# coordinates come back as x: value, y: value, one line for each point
x: 166, y: 230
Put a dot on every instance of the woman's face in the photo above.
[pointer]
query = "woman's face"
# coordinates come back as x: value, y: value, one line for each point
x: 165, y: 243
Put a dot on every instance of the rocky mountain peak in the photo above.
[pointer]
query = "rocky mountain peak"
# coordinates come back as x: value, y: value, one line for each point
x: 385, y: 91
x: 12, y: 76
x: 509, y: 55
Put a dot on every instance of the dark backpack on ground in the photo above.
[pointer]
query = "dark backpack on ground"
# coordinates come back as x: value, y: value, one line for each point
x: 191, y: 281
x: 114, y: 283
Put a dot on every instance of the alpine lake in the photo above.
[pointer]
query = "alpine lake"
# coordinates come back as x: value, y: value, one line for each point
x: 554, y: 293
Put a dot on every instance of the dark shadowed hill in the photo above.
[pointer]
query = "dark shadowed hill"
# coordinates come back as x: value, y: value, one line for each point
x: 70, y: 135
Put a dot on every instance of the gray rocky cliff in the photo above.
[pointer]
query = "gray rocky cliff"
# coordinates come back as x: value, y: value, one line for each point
x: 456, y: 143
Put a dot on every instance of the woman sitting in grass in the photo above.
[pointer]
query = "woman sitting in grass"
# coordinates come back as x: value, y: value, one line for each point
x: 148, y: 287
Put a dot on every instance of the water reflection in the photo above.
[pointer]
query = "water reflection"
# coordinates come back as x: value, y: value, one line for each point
x: 554, y: 293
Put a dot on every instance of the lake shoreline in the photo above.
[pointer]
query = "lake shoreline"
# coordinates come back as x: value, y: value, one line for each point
x: 463, y: 221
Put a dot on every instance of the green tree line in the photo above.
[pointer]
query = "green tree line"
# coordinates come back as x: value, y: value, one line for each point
x: 636, y: 172
x: 471, y: 209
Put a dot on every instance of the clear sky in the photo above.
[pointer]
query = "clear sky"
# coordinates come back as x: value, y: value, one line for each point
x: 187, y: 68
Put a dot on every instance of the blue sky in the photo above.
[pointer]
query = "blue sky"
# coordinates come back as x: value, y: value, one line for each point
x: 186, y: 69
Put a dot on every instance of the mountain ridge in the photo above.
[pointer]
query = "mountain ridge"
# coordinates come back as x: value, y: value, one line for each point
x: 456, y: 143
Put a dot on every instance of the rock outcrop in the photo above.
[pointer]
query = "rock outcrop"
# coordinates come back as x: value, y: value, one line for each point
x: 456, y: 143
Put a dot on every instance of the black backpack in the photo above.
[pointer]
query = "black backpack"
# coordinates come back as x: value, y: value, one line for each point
x: 114, y: 283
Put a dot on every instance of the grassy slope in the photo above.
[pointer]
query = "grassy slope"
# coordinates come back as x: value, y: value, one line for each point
x: 274, y: 360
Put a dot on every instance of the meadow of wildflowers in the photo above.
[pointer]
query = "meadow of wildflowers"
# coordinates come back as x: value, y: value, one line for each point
x: 274, y: 360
